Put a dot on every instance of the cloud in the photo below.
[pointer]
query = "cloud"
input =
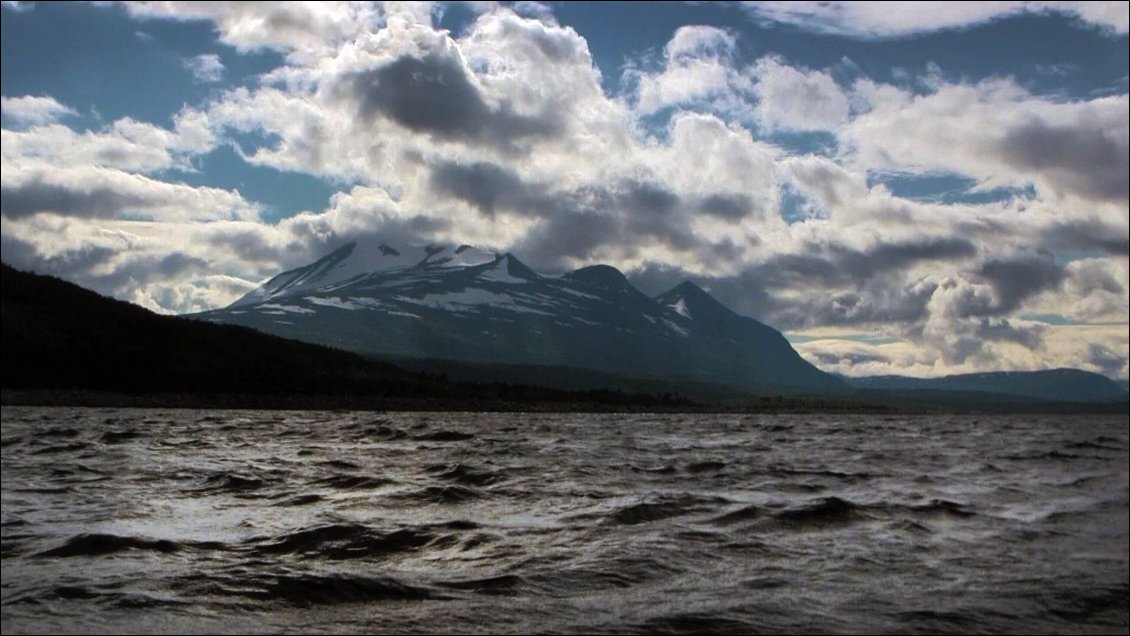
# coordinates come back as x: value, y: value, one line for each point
x: 874, y: 20
x: 34, y: 111
x: 286, y: 26
x: 698, y: 68
x: 17, y: 6
x: 94, y: 192
x: 1002, y: 136
x: 1087, y: 234
x: 435, y: 95
x: 1015, y: 280
x: 795, y: 99
x: 489, y: 188
x: 206, y: 67
x: 726, y: 206
x: 1089, y: 160
x: 629, y: 211
x: 125, y: 144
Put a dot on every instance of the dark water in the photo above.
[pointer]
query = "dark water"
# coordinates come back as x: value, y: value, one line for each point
x: 187, y: 521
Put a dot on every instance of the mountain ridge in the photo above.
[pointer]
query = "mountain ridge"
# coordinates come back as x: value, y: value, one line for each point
x: 1061, y: 384
x: 474, y: 305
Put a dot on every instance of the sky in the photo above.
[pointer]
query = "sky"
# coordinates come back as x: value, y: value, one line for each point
x: 915, y: 188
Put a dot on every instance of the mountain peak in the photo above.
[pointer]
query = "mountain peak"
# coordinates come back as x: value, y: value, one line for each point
x: 507, y: 269
x: 603, y: 275
x: 690, y: 300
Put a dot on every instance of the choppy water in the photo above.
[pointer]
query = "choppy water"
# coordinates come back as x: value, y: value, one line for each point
x: 151, y: 520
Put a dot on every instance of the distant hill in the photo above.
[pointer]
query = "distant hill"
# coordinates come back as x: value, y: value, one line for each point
x: 59, y: 335
x: 1053, y: 385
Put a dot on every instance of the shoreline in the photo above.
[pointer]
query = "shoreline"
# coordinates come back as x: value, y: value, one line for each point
x: 617, y: 403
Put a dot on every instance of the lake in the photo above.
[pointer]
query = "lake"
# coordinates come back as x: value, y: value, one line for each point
x: 149, y: 520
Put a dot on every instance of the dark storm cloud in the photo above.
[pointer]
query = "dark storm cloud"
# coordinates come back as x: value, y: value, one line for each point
x: 576, y: 236
x: 489, y: 187
x: 968, y: 338
x: 1088, y: 162
x: 824, y: 265
x: 35, y: 196
x: 434, y: 95
x: 1004, y: 331
x: 1015, y: 280
x: 647, y: 198
x: 250, y: 245
x: 893, y: 255
x: 652, y: 211
x: 881, y: 301
x: 726, y: 206
x: 633, y: 211
x: 1087, y: 235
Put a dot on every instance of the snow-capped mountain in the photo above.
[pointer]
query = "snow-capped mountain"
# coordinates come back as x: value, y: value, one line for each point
x: 471, y: 305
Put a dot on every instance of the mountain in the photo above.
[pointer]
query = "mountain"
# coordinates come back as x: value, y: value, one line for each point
x: 1053, y: 385
x: 469, y: 305
x: 67, y: 345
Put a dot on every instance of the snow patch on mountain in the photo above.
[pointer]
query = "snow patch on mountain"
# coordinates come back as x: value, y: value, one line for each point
x: 680, y: 307
x: 335, y: 302
x: 293, y: 309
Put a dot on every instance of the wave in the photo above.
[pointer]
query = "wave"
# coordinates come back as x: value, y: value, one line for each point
x: 445, y: 436
x: 462, y: 474
x: 347, y: 541
x: 98, y: 544
x: 827, y: 512
x: 693, y: 623
x: 943, y: 506
x: 664, y: 508
x: 702, y: 467
x: 620, y: 573
x: 117, y: 437
x: 501, y: 585
x: 442, y: 495
x: 1088, y: 604
x: 231, y: 482
x: 352, y: 482
x: 300, y: 500
x: 835, y: 474
x: 307, y: 590
x: 382, y: 433
x: 1100, y: 443
x: 746, y: 513
x: 666, y: 469
x: 67, y: 433
x: 61, y: 448
x: 339, y: 464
